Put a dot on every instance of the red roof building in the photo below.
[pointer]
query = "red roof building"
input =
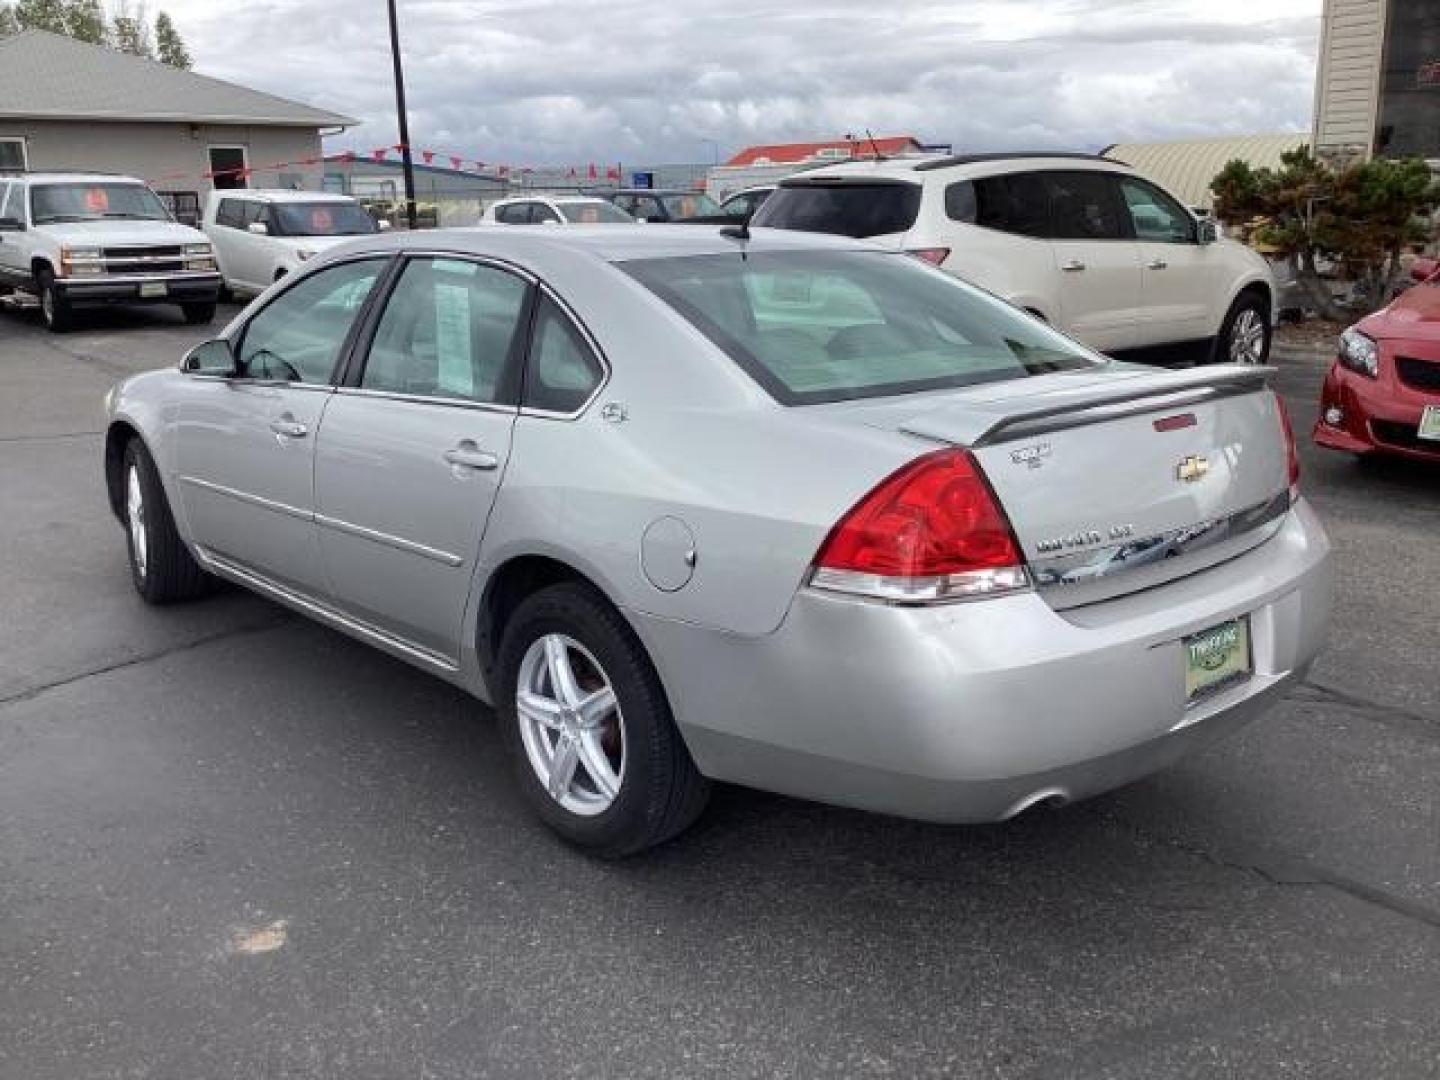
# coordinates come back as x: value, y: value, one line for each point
x: 836, y: 150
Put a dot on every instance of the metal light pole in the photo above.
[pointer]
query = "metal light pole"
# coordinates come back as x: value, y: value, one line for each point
x: 404, y: 120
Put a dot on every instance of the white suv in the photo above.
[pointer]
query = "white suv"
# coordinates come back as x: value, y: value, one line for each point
x: 76, y: 240
x: 555, y: 210
x: 1082, y: 242
x: 260, y: 236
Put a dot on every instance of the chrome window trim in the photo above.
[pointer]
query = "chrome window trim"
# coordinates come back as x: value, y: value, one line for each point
x: 1057, y: 572
x: 426, y: 399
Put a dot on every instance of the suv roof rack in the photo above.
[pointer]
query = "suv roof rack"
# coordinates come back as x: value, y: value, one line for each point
x: 975, y: 159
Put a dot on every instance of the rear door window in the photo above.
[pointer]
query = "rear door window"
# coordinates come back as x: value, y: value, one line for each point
x: 844, y: 209
x: 562, y: 372
x: 1086, y: 206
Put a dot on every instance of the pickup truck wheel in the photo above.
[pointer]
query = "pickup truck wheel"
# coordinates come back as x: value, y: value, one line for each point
x: 55, y: 312
x: 161, y: 566
x: 198, y: 314
x: 595, y: 746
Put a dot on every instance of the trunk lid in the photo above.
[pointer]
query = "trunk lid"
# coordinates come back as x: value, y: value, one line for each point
x: 1118, y: 478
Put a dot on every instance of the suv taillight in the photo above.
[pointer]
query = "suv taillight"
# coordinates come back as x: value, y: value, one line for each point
x: 932, y: 531
x: 933, y: 256
x: 1292, y: 454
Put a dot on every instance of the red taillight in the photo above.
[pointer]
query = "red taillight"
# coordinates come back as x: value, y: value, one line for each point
x: 932, y: 531
x: 933, y: 256
x: 1292, y: 454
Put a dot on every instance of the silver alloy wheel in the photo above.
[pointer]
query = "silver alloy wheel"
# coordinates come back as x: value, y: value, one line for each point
x: 135, y: 519
x: 1247, y: 338
x: 47, y: 305
x: 570, y: 724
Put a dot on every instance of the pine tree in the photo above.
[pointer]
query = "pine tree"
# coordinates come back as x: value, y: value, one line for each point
x: 85, y: 21
x: 130, y: 30
x: 8, y: 25
x: 41, y: 15
x: 168, y: 43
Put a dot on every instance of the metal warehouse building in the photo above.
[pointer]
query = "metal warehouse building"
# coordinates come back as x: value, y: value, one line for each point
x: 65, y: 104
x: 1378, y: 86
x: 1186, y: 167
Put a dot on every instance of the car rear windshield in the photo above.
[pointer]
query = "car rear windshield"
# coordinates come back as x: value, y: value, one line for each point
x: 691, y: 204
x: 323, y: 219
x: 851, y: 209
x: 598, y: 212
x: 818, y: 326
x: 93, y: 201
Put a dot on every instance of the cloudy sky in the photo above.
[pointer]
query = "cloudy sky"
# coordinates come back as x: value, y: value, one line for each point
x: 568, y: 81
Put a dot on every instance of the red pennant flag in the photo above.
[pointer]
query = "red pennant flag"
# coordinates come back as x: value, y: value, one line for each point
x: 612, y: 173
x: 378, y: 155
x: 399, y: 148
x: 455, y: 163
x: 480, y: 165
x: 504, y: 170
x: 348, y: 156
x: 593, y: 174
x: 428, y: 155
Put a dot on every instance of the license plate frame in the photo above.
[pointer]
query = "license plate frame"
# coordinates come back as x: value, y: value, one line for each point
x: 1429, y: 428
x: 1217, y: 658
x: 149, y: 290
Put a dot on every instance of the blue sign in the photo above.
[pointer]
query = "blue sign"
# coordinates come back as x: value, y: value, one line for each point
x: 642, y: 179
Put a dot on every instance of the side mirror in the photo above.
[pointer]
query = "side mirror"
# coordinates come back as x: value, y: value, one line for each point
x: 1206, y: 231
x: 215, y: 357
x: 259, y: 228
x: 10, y: 224
x: 383, y: 225
x: 1424, y: 269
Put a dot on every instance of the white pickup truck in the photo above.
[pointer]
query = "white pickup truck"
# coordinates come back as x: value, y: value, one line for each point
x: 77, y: 240
x: 260, y: 236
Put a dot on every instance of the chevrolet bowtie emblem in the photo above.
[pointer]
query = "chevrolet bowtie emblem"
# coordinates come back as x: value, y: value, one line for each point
x: 1192, y: 468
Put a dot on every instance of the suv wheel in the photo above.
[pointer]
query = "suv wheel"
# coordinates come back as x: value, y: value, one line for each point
x: 55, y: 311
x: 1245, y: 334
x: 595, y: 747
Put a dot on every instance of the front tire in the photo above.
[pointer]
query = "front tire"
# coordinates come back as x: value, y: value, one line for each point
x: 198, y: 314
x: 55, y: 310
x: 1246, y: 332
x: 161, y: 566
x: 595, y: 747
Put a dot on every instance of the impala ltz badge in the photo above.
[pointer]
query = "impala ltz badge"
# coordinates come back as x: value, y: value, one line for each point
x: 1032, y: 457
x: 1192, y: 468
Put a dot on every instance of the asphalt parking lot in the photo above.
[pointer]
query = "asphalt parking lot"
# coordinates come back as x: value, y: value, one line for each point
x: 233, y: 843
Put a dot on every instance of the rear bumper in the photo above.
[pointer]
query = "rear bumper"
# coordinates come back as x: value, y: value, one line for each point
x: 973, y: 711
x: 188, y: 288
x: 1379, y: 415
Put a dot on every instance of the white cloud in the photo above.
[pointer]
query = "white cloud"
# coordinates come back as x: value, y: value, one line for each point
x: 549, y: 81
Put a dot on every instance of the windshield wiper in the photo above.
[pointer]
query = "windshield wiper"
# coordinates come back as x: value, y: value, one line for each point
x: 133, y: 217
x: 49, y: 219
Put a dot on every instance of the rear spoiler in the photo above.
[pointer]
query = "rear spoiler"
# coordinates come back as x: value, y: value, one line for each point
x: 1055, y: 411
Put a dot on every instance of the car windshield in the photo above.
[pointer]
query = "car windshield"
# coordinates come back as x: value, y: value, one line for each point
x: 322, y: 219
x: 598, y: 212
x: 94, y: 201
x: 820, y: 326
x: 690, y: 204
x: 845, y: 209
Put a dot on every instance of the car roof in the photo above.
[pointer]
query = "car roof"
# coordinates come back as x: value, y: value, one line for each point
x: 75, y: 177
x: 281, y: 195
x: 606, y: 243
x: 539, y: 197
x: 915, y: 168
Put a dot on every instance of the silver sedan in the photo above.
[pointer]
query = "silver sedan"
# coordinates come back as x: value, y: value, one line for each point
x: 778, y: 509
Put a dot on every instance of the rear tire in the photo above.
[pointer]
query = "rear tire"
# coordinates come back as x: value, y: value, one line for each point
x: 1245, y: 334
x: 55, y: 310
x: 161, y: 566
x: 660, y: 791
x: 198, y: 314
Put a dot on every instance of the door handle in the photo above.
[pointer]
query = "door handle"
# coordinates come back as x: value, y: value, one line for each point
x: 469, y: 456
x: 289, y: 428
x: 1156, y: 264
x: 1073, y: 266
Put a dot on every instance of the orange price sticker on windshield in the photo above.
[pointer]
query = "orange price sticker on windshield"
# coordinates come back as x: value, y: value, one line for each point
x: 96, y: 200
x: 320, y: 219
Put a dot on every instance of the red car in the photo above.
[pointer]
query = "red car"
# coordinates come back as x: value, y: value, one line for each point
x: 1383, y: 392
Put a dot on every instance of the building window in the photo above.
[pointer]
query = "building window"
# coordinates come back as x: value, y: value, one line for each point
x: 227, y: 167
x: 1410, y: 82
x: 12, y: 155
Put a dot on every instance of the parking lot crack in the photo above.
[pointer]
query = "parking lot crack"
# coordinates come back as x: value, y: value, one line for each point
x: 50, y: 435
x: 146, y: 658
x: 1411, y: 723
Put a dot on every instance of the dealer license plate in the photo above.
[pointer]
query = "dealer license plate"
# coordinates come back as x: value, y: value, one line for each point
x: 1216, y: 658
x: 152, y: 288
x: 1430, y: 423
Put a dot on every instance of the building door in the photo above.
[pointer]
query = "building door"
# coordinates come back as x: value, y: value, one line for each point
x: 227, y: 167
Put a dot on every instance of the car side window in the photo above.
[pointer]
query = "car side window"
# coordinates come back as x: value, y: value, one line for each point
x: 562, y: 371
x: 250, y: 213
x: 229, y: 213
x: 9, y: 204
x: 1083, y: 206
x: 960, y: 201
x: 650, y: 208
x: 513, y: 214
x: 1156, y: 216
x: 297, y: 337
x: 542, y: 213
x: 1018, y: 203
x: 450, y: 330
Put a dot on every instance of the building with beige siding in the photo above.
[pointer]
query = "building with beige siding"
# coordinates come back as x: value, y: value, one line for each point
x: 68, y: 105
x: 1377, y: 87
